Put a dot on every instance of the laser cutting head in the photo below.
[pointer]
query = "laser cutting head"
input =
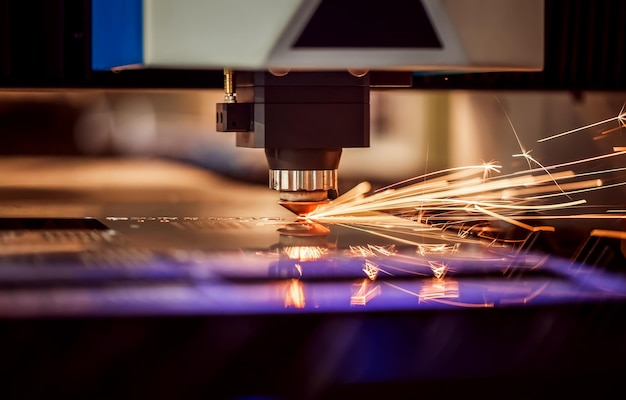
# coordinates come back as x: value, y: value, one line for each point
x: 303, y: 120
x: 304, y: 178
x: 317, y: 102
x: 302, y: 91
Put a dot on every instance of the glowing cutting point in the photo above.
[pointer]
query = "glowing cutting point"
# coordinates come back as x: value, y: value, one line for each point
x: 301, y: 208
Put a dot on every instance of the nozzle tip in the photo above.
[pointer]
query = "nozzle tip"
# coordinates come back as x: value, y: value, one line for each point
x: 301, y: 208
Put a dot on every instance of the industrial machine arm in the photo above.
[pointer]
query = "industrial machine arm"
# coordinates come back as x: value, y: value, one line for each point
x: 298, y: 72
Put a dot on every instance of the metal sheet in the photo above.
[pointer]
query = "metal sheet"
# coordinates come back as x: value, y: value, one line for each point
x: 173, y: 260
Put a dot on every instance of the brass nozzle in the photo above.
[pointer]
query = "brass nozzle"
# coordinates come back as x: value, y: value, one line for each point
x: 229, y: 86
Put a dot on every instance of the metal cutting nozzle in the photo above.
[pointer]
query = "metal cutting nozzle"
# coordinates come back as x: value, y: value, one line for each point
x: 302, y: 191
x: 302, y: 202
x: 301, y: 208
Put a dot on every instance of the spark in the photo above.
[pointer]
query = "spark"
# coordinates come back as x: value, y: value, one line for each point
x: 387, y: 236
x: 438, y: 211
x: 620, y: 118
x: 459, y: 172
x: 462, y: 195
x: 597, y: 186
x: 509, y: 220
x: 524, y: 153
x: 577, y: 162
x: 529, y: 158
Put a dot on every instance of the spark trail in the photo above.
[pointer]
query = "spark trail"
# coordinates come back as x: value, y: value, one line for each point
x: 475, y: 194
x: 620, y: 118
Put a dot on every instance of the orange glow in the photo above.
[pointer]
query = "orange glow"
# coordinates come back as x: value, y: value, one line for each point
x: 294, y: 294
x: 366, y: 291
x: 305, y: 253
x: 439, y: 289
x: 608, y: 234
x: 371, y: 250
x: 471, y: 197
x: 440, y: 248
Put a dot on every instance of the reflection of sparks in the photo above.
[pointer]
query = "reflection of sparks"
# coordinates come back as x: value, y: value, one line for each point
x: 370, y: 269
x: 404, y: 231
x: 468, y: 200
x: 442, y: 291
x: 294, y: 295
x: 298, y: 268
x: 439, y: 289
x: 384, y: 250
x: 372, y: 250
x: 305, y: 253
x: 440, y: 248
x: 361, y: 251
x: 366, y: 291
x: 528, y: 297
x: 440, y: 211
x: 439, y: 269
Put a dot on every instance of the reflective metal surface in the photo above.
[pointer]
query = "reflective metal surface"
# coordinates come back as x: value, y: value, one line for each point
x: 158, y: 295
x: 294, y: 180
x: 266, y: 265
x: 179, y: 262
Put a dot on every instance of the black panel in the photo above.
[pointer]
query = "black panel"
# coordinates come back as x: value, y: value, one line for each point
x: 44, y: 41
x: 77, y: 40
x: 47, y: 44
x: 4, y: 38
x: 35, y: 41
x: 584, y: 42
x: 355, y: 23
x: 488, y: 354
x: 14, y: 224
